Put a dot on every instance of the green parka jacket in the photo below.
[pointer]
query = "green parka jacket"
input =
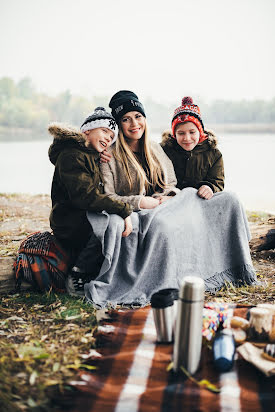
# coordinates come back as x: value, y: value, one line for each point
x: 76, y: 187
x: 201, y: 166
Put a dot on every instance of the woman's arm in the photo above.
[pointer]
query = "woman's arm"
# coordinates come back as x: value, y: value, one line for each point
x: 115, y: 184
x: 168, y: 171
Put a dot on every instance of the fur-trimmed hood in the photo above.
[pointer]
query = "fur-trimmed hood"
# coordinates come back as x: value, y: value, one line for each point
x: 64, y: 137
x: 167, y: 139
x: 61, y: 132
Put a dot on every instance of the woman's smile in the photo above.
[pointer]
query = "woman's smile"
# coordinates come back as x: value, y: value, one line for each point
x: 134, y: 130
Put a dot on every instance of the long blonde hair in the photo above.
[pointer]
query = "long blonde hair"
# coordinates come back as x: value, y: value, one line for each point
x: 125, y: 155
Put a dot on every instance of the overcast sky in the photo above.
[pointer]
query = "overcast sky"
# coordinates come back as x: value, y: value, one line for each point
x: 163, y: 49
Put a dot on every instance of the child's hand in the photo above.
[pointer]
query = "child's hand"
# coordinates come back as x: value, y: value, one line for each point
x: 163, y: 199
x: 105, y: 156
x: 148, y: 202
x: 205, y: 192
x: 128, y: 227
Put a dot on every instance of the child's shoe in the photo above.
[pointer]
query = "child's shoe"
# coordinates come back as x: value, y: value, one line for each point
x: 75, y: 283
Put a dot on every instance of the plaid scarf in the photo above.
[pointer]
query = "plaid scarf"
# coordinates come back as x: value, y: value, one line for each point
x: 41, y: 262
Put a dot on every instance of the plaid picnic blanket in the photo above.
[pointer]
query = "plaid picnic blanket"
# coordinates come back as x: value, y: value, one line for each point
x: 132, y: 374
x: 41, y: 262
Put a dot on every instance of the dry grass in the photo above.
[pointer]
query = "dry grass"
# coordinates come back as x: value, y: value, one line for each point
x: 44, y: 340
x: 263, y: 292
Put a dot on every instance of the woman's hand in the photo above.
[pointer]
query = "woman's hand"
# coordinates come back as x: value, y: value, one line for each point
x: 128, y: 228
x: 163, y: 199
x: 105, y: 156
x: 148, y: 202
x: 205, y: 192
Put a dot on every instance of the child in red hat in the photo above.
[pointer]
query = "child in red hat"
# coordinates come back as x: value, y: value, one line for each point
x: 197, y: 161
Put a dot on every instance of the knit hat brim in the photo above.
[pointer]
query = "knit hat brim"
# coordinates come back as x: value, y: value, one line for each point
x: 184, y: 118
x: 107, y: 123
x: 100, y: 118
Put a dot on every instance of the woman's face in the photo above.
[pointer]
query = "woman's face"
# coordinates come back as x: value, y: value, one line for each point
x: 187, y: 135
x: 133, y: 125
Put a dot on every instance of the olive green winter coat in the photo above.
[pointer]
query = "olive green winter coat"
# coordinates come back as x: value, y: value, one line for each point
x: 201, y: 166
x: 76, y: 187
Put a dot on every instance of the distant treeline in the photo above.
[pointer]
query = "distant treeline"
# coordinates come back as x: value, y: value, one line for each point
x: 21, y: 106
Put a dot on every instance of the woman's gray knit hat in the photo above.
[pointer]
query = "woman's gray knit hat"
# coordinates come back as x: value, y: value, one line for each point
x: 100, y: 118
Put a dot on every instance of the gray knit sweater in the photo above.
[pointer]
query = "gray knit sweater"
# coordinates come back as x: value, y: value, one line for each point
x: 117, y: 186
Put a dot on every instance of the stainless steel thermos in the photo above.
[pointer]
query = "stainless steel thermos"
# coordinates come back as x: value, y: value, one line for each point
x: 188, y: 336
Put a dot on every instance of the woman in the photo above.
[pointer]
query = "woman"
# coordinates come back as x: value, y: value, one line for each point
x: 170, y: 239
x: 139, y: 172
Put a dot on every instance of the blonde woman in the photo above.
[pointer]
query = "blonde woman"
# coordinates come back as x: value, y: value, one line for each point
x: 139, y: 172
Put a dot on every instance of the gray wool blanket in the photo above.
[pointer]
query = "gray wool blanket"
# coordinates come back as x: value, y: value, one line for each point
x: 184, y: 236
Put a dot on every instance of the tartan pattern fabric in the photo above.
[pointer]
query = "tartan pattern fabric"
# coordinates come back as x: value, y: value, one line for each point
x: 41, y: 262
x: 132, y: 375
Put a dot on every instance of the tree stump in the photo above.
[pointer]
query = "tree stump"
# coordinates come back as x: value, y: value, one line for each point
x: 263, y: 236
x: 7, y: 277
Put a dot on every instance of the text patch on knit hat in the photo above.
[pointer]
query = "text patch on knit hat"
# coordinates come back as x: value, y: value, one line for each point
x: 123, y: 102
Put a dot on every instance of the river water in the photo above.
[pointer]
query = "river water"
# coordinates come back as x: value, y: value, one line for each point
x: 249, y: 168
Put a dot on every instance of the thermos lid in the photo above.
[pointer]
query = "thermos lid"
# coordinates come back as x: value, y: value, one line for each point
x: 162, y: 299
x: 192, y: 289
x: 174, y: 291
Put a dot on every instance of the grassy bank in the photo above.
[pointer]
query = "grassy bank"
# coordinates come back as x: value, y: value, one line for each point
x: 45, y: 340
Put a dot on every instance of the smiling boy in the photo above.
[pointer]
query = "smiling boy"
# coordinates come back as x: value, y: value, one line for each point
x: 77, y: 185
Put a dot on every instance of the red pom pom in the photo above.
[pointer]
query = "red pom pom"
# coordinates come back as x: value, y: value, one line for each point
x: 187, y: 100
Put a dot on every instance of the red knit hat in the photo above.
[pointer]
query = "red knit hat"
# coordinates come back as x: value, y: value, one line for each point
x: 188, y: 112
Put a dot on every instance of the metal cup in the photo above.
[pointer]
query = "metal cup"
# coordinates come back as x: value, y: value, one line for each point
x: 162, y: 304
x: 175, y: 294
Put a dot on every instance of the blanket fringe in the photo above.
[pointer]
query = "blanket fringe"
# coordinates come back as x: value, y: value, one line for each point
x: 239, y: 275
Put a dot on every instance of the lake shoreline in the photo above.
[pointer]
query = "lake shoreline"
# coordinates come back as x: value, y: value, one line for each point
x: 10, y: 134
x: 248, y: 162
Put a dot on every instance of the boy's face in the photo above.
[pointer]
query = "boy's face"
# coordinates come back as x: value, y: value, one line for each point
x: 187, y: 135
x: 99, y: 139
